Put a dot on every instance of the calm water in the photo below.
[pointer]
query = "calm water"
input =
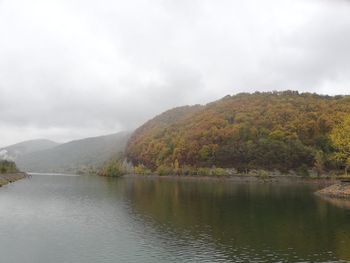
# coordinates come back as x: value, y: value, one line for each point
x: 73, y: 219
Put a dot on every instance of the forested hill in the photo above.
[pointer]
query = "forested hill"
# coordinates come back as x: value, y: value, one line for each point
x: 274, y: 130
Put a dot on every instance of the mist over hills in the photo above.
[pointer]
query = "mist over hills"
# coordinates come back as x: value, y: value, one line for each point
x: 12, y: 152
x: 76, y: 156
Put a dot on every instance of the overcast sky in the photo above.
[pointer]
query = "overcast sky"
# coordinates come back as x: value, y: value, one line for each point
x: 76, y: 68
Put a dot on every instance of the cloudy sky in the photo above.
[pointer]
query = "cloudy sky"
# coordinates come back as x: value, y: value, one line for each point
x: 76, y: 68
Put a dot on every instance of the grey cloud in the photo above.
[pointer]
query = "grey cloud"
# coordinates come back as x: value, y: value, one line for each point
x: 70, y: 69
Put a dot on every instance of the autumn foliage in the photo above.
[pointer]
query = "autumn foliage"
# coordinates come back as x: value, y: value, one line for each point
x: 274, y: 130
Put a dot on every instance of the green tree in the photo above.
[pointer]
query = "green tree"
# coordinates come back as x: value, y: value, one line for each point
x: 340, y: 137
x: 8, y: 167
x: 113, y: 168
x: 319, y: 162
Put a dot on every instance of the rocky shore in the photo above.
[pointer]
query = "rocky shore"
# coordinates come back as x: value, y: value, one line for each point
x: 339, y: 190
x: 11, y: 177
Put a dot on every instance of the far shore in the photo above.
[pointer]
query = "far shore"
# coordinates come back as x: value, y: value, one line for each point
x: 11, y: 177
x: 324, y: 181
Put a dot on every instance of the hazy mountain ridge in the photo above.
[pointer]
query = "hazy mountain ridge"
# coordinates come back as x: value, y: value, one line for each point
x: 12, y: 152
x: 75, y: 156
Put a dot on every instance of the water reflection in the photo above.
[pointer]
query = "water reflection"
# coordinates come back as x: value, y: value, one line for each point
x: 95, y: 220
x: 342, y: 203
x: 262, y: 221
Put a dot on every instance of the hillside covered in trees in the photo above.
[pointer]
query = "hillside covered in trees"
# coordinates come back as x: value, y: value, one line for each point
x: 272, y: 131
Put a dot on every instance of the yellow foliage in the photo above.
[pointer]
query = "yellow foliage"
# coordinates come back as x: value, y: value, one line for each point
x: 340, y: 137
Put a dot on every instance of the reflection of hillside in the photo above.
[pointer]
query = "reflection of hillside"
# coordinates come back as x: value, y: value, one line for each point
x: 338, y: 202
x: 237, y: 216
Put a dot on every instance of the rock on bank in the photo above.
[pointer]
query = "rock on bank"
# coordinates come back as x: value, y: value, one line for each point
x: 341, y: 189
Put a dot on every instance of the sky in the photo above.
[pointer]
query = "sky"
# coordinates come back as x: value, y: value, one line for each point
x: 71, y: 69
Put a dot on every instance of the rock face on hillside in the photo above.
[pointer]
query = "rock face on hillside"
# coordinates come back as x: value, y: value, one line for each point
x: 341, y: 189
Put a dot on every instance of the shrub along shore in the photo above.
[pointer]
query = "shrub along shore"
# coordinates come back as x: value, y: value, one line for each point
x: 9, y: 172
x: 115, y: 168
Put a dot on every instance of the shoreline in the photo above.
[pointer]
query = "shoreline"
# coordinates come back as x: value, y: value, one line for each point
x: 326, y: 181
x: 323, y: 186
x: 11, y: 177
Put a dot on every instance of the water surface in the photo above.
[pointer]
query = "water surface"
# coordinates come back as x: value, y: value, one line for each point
x: 73, y: 219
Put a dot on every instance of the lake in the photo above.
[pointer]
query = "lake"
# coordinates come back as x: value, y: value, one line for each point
x: 83, y: 219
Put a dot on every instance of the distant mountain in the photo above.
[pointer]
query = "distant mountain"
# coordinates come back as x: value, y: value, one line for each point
x: 75, y: 156
x: 12, y: 152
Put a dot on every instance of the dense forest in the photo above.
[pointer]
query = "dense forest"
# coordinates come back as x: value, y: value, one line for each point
x: 271, y: 131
